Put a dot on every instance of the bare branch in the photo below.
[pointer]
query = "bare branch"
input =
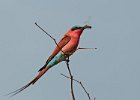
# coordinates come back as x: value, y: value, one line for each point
x: 44, y: 31
x: 79, y: 83
x: 49, y: 36
x: 71, y: 77
x: 86, y: 48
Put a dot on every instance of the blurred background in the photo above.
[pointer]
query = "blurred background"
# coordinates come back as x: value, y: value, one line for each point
x: 109, y: 73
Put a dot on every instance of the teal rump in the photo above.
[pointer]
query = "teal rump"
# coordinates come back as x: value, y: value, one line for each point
x: 58, y: 58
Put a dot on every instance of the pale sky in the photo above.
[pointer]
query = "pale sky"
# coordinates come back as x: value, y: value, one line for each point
x: 109, y: 73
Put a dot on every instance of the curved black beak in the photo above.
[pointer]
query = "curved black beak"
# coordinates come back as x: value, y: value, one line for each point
x: 86, y: 27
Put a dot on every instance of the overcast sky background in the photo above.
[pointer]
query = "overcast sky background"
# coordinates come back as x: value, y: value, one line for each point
x: 112, y: 72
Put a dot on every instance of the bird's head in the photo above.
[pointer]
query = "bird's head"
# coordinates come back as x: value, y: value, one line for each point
x: 77, y: 30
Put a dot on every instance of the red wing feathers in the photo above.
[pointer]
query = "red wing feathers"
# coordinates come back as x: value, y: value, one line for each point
x: 58, y: 48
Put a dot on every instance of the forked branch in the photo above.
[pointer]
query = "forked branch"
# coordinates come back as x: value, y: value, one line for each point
x: 79, y: 83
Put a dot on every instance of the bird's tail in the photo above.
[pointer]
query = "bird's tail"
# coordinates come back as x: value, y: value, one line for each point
x: 30, y: 83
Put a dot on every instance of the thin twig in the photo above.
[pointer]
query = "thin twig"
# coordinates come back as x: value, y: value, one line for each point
x: 86, y: 48
x: 71, y: 77
x: 44, y: 31
x: 80, y: 84
x: 49, y: 36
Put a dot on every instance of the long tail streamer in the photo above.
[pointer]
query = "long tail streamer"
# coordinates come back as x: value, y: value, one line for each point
x: 30, y: 83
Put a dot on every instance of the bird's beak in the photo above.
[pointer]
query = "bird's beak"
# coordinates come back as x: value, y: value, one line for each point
x: 86, y: 27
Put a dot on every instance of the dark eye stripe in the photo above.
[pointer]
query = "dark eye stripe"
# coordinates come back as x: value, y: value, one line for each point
x: 75, y: 27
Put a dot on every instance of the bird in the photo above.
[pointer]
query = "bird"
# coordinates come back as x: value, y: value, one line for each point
x: 64, y: 49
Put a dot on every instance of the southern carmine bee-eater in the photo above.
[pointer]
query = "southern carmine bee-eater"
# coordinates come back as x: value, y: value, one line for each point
x: 65, y: 48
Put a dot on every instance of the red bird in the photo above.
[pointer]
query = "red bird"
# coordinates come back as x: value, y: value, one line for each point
x: 65, y: 48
